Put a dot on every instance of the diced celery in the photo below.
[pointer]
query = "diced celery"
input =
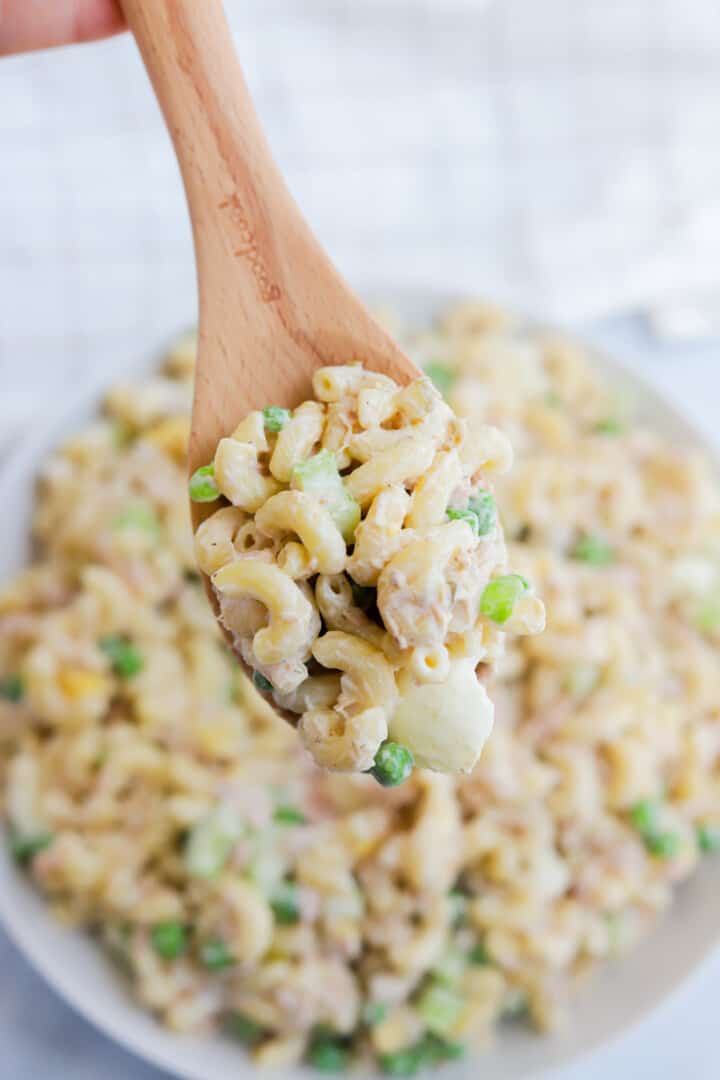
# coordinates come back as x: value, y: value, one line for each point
x: 319, y: 476
x: 485, y: 510
x: 210, y: 842
x: 480, y: 513
x: 463, y: 515
x: 215, y: 955
x: 594, y: 550
x: 581, y: 680
x: 373, y: 1012
x: 140, y: 516
x: 267, y: 869
x: 707, y: 618
x: 450, y: 966
x: 439, y: 1007
x: 275, y: 418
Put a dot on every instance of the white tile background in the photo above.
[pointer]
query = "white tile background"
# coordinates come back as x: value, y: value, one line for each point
x: 561, y: 154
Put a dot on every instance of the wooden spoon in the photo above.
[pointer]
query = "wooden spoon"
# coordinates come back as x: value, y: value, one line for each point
x: 273, y: 308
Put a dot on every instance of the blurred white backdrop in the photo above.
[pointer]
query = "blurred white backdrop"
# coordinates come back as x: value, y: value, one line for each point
x: 556, y: 153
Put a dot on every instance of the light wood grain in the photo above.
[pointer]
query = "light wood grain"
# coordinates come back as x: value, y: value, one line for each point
x: 273, y: 307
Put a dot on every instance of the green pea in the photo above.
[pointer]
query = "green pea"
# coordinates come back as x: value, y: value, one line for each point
x: 169, y: 939
x: 501, y: 595
x: 479, y: 956
x: 708, y: 838
x: 404, y: 1062
x: 288, y: 815
x: 262, y: 683
x: 125, y: 658
x: 644, y: 815
x: 393, y: 764
x: 286, y: 904
x: 664, y: 845
x: 594, y: 550
x: 436, y: 1049
x: 373, y: 1013
x: 25, y: 846
x: 243, y: 1028
x: 431, y: 1050
x: 202, y: 485
x: 327, y: 1053
x: 442, y: 376
x: 215, y: 955
x: 275, y: 418
x: 12, y: 688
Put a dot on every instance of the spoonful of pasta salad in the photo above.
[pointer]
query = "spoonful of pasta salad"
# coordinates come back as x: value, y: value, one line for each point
x: 344, y: 516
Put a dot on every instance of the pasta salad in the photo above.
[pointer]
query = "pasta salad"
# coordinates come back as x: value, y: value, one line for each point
x: 156, y: 800
x: 360, y: 568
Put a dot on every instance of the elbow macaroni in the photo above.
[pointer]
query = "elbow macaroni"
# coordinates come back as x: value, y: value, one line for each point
x: 342, y: 903
x: 377, y: 573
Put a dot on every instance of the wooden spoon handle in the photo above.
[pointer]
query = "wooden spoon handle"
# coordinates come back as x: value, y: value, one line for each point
x: 224, y: 157
x: 272, y: 306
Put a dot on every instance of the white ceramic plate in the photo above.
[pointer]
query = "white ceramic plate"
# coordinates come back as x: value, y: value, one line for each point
x: 622, y: 992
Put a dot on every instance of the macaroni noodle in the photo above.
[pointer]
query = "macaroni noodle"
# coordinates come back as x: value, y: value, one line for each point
x: 403, y: 554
